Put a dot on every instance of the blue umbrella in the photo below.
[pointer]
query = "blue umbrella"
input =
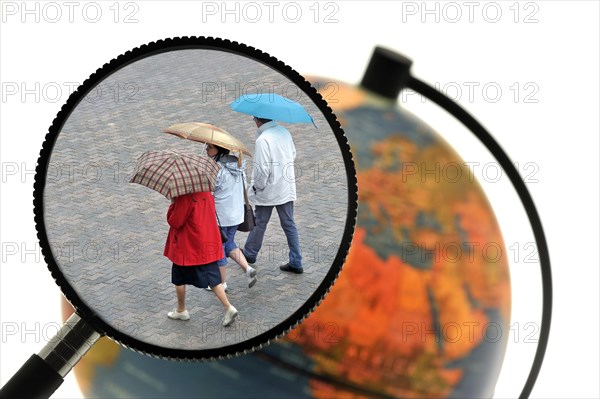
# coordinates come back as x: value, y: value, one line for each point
x: 271, y: 106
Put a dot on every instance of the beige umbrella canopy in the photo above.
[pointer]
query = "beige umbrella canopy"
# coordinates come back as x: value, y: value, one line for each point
x: 209, y: 134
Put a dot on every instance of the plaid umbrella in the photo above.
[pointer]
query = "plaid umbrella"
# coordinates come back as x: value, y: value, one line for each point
x: 173, y: 174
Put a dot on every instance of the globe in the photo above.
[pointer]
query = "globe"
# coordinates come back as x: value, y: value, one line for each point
x: 420, y: 309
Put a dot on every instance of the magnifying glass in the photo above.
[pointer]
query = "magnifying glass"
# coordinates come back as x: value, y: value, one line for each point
x: 104, y: 238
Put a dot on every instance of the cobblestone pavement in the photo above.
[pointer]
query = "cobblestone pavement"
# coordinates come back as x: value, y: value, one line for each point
x: 108, y: 235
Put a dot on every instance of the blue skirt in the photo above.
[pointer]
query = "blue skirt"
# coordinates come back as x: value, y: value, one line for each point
x: 201, y: 276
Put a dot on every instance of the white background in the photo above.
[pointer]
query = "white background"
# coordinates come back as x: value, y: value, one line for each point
x: 548, y: 50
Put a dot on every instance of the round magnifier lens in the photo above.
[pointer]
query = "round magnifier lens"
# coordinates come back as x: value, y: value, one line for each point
x: 122, y: 252
x: 107, y: 236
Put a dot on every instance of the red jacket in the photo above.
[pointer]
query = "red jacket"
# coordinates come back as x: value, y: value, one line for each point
x: 194, y: 237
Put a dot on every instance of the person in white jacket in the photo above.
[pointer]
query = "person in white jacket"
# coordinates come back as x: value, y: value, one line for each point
x: 273, y: 185
x: 229, y: 204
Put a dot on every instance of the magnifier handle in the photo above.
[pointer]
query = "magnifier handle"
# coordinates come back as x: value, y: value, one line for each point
x: 43, y: 373
x: 35, y: 379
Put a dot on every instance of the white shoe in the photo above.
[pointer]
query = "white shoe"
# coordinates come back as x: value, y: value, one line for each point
x: 175, y: 315
x: 230, y: 315
x: 251, y: 274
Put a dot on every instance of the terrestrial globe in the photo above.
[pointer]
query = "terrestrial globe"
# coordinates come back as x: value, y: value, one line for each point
x: 422, y: 305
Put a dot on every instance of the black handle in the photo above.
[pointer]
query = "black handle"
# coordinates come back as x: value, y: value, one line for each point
x: 35, y: 379
x: 43, y: 373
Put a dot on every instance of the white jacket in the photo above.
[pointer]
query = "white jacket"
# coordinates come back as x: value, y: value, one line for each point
x: 273, y: 175
x: 229, y: 191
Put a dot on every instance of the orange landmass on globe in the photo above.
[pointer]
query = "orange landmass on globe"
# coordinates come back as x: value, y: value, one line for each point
x: 395, y: 195
x: 487, y: 274
x: 383, y: 319
x: 386, y: 337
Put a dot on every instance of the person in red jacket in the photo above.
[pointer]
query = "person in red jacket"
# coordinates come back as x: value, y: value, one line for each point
x: 194, y: 246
